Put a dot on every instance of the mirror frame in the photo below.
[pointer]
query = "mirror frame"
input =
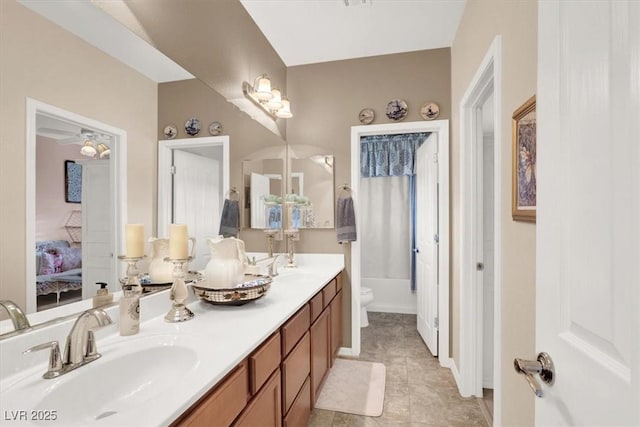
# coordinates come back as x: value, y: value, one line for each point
x: 165, y: 149
x: 118, y: 181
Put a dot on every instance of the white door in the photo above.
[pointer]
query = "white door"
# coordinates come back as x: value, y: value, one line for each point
x: 426, y: 242
x: 97, y: 246
x: 588, y: 219
x: 196, y: 200
x: 260, y: 187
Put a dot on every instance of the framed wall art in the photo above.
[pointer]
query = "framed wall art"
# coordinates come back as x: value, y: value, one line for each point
x: 72, y: 182
x: 524, y: 162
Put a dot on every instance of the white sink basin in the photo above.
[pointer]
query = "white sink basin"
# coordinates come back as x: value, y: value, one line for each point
x: 128, y: 376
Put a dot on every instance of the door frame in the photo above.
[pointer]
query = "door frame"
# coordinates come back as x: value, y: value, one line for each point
x: 117, y: 180
x: 441, y: 128
x: 165, y: 160
x: 486, y: 80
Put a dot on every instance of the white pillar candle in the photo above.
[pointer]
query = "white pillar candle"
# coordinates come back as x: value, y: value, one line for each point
x: 134, y: 238
x: 178, y: 241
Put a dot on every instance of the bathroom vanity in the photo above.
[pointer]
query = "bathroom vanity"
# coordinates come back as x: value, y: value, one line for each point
x: 263, y: 363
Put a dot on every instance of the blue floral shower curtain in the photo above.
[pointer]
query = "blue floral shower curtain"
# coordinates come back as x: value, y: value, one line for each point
x: 394, y: 155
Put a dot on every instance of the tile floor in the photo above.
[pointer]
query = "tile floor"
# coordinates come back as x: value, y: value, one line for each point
x: 419, y: 392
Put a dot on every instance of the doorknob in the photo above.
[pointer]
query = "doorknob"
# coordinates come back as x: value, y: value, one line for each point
x: 543, y: 366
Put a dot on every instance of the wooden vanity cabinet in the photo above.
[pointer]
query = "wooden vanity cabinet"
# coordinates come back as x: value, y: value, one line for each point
x: 278, y: 383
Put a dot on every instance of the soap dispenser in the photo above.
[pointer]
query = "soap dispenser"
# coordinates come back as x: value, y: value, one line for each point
x: 129, y: 311
x: 103, y: 296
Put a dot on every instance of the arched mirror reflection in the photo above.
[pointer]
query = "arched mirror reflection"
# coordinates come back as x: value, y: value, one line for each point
x: 311, y: 188
x: 263, y: 181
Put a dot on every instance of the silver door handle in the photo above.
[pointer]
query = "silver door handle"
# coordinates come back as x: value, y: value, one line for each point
x: 543, y: 366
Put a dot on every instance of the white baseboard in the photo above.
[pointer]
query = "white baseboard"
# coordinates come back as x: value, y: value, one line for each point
x: 454, y: 371
x: 346, y: 352
x: 401, y: 309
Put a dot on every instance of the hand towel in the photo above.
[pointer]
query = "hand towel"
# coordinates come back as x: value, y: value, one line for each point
x: 346, y: 220
x: 230, y: 220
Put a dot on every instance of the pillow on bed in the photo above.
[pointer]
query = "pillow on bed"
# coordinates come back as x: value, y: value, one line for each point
x: 50, y: 263
x: 46, y: 245
x: 71, y: 258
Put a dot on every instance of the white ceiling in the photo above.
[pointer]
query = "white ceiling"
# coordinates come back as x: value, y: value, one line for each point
x: 312, y: 31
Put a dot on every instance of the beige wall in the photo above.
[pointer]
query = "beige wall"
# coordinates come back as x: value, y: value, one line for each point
x: 43, y: 62
x: 328, y: 97
x: 52, y: 212
x: 216, y: 41
x: 178, y: 101
x: 516, y: 21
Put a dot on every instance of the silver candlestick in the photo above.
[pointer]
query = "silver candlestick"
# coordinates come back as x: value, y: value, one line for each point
x: 133, y: 274
x: 179, y: 293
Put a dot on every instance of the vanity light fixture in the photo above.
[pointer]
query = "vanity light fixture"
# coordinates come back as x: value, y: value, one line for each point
x: 104, y: 152
x: 269, y: 99
x: 89, y: 148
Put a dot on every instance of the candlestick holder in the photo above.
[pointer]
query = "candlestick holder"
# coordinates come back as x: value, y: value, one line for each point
x: 179, y: 293
x: 133, y: 273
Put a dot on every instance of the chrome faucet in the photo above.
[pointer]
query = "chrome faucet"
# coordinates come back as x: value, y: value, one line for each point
x: 80, y: 348
x: 273, y: 266
x: 17, y: 316
x: 81, y: 343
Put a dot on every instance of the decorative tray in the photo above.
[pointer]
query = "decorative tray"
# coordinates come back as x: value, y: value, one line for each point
x: 254, y: 287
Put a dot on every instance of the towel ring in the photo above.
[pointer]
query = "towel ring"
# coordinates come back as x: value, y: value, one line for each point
x: 233, y: 194
x: 344, y: 188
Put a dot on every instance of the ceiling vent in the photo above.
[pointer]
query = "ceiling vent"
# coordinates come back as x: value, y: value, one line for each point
x: 357, y: 3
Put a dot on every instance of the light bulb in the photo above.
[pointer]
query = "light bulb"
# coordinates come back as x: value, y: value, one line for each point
x: 276, y: 101
x: 263, y: 88
x: 285, y: 111
x: 88, y: 149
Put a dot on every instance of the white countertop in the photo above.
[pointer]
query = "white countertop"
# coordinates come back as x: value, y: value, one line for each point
x: 227, y: 336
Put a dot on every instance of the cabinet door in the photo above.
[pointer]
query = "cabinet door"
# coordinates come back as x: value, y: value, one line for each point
x: 336, y: 325
x: 265, y: 409
x: 320, y: 352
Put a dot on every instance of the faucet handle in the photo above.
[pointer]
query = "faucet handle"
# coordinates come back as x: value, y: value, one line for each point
x: 55, y: 361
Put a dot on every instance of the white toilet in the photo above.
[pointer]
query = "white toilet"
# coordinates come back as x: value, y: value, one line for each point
x: 366, y: 297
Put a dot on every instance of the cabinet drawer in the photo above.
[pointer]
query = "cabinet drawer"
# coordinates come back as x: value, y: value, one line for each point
x: 263, y: 362
x: 316, y: 306
x: 294, y: 329
x: 295, y: 370
x: 223, y: 404
x: 329, y: 292
x: 265, y: 409
x: 301, y: 409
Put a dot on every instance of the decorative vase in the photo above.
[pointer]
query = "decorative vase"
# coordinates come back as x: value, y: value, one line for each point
x: 226, y: 267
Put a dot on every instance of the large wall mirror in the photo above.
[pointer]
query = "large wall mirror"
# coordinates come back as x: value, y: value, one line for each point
x: 263, y: 188
x: 76, y: 192
x: 311, y: 187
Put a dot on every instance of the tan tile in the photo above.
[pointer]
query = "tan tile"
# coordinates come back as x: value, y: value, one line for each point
x: 321, y: 418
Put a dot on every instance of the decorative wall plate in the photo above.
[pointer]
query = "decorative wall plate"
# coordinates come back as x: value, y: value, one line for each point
x: 366, y: 116
x: 397, y: 109
x: 215, y: 128
x: 192, y: 127
x: 170, y: 131
x: 430, y: 111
